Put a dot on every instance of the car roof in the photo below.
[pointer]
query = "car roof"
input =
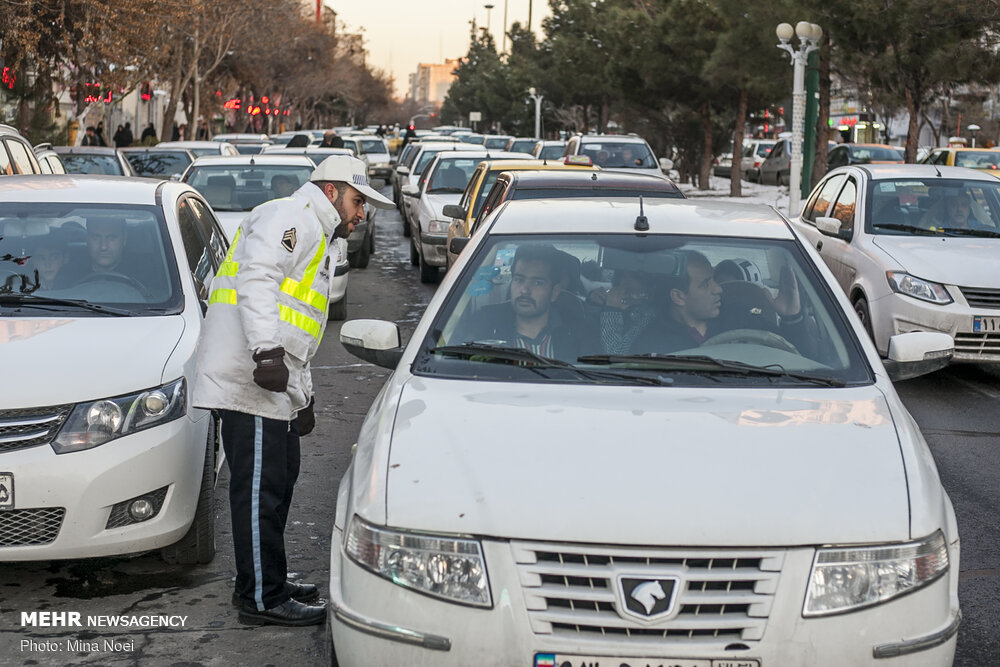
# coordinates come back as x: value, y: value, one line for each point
x: 188, y: 144
x: 511, y: 156
x: 257, y: 158
x: 155, y: 149
x: 897, y: 170
x: 621, y: 138
x: 83, y: 188
x: 538, y: 164
x: 585, y: 178
x: 92, y: 150
x: 598, y: 215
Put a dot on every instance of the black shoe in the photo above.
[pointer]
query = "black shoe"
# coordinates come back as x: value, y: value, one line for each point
x: 295, y: 590
x: 289, y: 612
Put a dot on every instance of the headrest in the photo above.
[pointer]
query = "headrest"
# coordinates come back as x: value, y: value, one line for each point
x: 222, y: 180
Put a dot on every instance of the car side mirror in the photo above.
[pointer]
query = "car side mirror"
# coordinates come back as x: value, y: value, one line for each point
x: 918, y: 353
x: 454, y: 211
x: 457, y: 244
x: 374, y: 341
x: 403, y: 170
x: 831, y: 227
x: 410, y: 190
x: 666, y: 164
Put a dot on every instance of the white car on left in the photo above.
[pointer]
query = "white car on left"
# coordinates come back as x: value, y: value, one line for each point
x: 103, y: 281
x: 234, y: 185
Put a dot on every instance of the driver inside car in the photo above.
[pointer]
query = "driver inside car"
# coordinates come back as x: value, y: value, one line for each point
x: 106, y: 252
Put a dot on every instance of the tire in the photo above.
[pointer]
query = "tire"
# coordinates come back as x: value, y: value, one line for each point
x: 782, y: 180
x: 197, y: 547
x: 371, y: 240
x: 414, y: 255
x: 428, y: 273
x: 338, y: 310
x: 362, y: 256
x: 406, y: 223
x: 864, y: 314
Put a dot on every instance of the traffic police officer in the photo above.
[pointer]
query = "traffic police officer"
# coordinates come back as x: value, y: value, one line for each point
x: 266, y: 316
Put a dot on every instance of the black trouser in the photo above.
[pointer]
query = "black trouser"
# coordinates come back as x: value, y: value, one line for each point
x: 263, y: 457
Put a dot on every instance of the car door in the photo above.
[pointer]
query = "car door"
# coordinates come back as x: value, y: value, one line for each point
x: 772, y: 166
x: 840, y: 253
x: 819, y: 205
x: 202, y: 255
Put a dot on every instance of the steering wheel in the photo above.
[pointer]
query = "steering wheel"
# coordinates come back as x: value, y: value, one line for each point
x: 758, y: 336
x: 111, y: 276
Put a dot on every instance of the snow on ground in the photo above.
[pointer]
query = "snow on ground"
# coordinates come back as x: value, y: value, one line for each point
x: 752, y: 193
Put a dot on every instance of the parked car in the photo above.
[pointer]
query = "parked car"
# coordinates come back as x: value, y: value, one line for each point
x: 987, y: 159
x: 466, y: 212
x: 233, y: 186
x: 776, y: 169
x: 94, y: 160
x: 841, y: 155
x: 616, y: 152
x: 884, y: 233
x: 445, y: 179
x: 48, y: 160
x: 722, y: 166
x: 157, y: 161
x: 102, y: 453
x: 202, y: 148
x: 548, y: 149
x: 16, y: 154
x: 755, y: 151
x: 496, y: 510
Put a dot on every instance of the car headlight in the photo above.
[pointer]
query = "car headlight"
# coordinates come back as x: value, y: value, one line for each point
x: 446, y: 567
x: 438, y: 226
x: 96, y: 422
x: 846, y: 579
x: 918, y: 288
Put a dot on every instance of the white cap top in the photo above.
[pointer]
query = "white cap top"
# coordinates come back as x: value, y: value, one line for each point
x: 350, y: 170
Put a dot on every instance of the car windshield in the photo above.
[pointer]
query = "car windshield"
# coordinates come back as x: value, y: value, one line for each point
x: 249, y: 149
x: 761, y: 149
x: 633, y: 309
x: 425, y: 159
x: 934, y: 206
x: 495, y: 142
x: 80, y: 163
x: 372, y: 146
x: 551, y: 152
x: 211, y: 150
x: 523, y: 145
x: 241, y: 187
x: 163, y: 163
x: 877, y: 154
x: 452, y: 175
x: 87, y: 258
x: 611, y: 154
x: 978, y: 159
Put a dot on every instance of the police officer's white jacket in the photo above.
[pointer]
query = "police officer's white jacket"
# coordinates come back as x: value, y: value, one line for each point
x: 271, y: 291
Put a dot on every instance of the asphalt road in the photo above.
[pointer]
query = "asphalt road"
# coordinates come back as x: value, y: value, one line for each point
x: 953, y: 407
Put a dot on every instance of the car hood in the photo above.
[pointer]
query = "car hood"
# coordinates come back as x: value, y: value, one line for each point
x: 435, y: 203
x: 656, y: 466
x: 65, y: 360
x: 966, y: 261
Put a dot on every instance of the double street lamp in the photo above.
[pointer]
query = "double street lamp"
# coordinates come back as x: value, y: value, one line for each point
x: 809, y: 35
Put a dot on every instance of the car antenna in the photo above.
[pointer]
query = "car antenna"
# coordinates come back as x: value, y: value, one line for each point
x: 937, y: 170
x: 593, y: 177
x: 641, y: 223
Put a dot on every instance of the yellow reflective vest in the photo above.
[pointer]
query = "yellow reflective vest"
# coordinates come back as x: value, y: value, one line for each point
x: 272, y: 290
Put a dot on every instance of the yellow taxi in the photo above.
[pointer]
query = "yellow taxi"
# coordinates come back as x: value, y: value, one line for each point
x: 463, y: 215
x: 985, y: 159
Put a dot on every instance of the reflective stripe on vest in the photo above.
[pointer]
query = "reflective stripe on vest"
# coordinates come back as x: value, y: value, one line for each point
x: 300, y: 290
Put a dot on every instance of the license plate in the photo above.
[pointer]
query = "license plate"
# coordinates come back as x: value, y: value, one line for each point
x: 557, y: 660
x: 985, y: 324
x: 6, y: 490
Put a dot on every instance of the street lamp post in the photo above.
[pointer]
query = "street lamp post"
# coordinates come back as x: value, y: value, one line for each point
x: 972, y: 130
x: 538, y: 112
x: 809, y: 35
x: 489, y: 11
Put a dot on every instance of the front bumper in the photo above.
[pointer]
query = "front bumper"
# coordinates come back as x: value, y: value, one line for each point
x: 896, y: 313
x: 434, y: 249
x: 380, y: 171
x: 338, y: 284
x: 89, y: 483
x: 375, y: 622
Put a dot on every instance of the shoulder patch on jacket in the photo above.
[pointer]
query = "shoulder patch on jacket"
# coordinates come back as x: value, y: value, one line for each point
x: 288, y: 240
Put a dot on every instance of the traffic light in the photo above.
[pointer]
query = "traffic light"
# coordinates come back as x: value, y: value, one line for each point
x: 146, y: 91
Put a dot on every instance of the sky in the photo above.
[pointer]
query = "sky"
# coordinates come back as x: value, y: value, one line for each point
x: 400, y: 34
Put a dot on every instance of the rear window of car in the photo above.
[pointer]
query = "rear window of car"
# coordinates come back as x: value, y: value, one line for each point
x: 977, y: 159
x: 372, y: 146
x: 163, y: 163
x: 242, y: 187
x: 620, y: 155
x: 114, y: 255
x: 81, y: 163
x: 877, y: 154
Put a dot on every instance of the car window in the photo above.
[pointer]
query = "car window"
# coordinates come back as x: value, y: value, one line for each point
x: 372, y: 146
x: 777, y: 151
x: 22, y: 158
x: 876, y: 154
x: 424, y: 159
x: 619, y: 154
x: 978, y: 159
x: 452, y: 175
x: 764, y: 148
x: 493, y: 199
x: 476, y: 178
x: 54, y: 164
x: 939, y: 157
x: 210, y: 230
x: 199, y: 257
x: 550, y: 152
x: 934, y: 206
x: 484, y: 190
x: 843, y: 208
x: 822, y: 203
x: 242, y: 187
x: 162, y: 163
x: 81, y: 163
x: 837, y: 157
x: 558, y: 286
x: 6, y: 168
x: 116, y: 255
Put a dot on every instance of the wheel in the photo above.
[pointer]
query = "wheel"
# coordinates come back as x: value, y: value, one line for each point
x: 338, y: 310
x: 758, y: 336
x: 359, y: 259
x: 406, y: 223
x: 371, y: 240
x: 861, y: 308
x: 428, y: 273
x: 782, y: 180
x: 198, y: 544
x: 414, y: 255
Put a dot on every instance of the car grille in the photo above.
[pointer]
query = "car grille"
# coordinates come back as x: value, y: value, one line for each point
x: 977, y: 344
x: 25, y: 527
x: 982, y: 297
x: 723, y: 595
x: 31, y: 426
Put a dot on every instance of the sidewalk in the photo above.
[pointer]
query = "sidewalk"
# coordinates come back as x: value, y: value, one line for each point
x: 752, y: 193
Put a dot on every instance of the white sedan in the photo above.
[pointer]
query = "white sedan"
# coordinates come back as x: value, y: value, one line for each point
x: 103, y: 284
x: 657, y: 435
x: 915, y: 248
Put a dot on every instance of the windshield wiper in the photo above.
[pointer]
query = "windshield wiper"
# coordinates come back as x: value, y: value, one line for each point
x: 964, y: 231
x: 36, y: 300
x: 531, y: 360
x: 899, y: 227
x: 682, y: 362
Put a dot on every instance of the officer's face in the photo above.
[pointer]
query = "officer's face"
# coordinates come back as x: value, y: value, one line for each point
x: 350, y: 206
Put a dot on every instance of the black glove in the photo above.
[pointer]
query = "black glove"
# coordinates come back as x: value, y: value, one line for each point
x: 271, y: 372
x: 307, y: 418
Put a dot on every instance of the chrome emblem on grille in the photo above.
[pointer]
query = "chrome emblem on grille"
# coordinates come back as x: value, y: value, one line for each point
x: 646, y: 598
